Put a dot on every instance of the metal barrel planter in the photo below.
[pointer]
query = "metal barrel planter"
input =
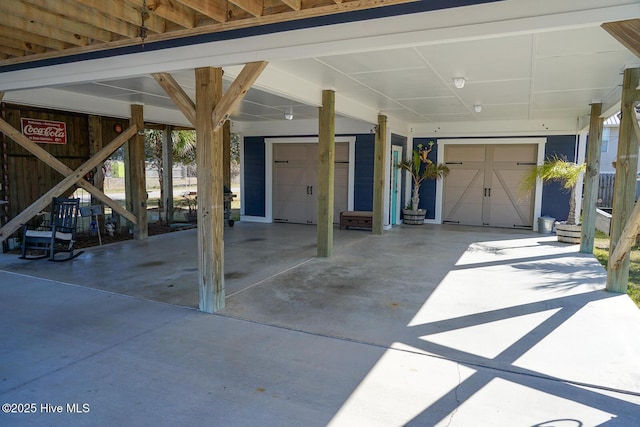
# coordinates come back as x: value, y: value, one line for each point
x: 413, y: 217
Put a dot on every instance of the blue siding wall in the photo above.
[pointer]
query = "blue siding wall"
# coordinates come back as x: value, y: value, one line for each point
x: 555, y: 199
x: 363, y: 181
x: 254, y: 174
x: 428, y: 187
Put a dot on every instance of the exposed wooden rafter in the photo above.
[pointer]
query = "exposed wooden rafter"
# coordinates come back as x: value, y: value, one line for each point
x: 626, y: 32
x: 41, y: 29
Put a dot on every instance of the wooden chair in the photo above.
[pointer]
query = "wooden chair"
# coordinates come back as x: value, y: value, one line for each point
x: 58, y: 236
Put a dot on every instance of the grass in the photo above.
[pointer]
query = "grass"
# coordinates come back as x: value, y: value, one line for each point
x: 601, y: 252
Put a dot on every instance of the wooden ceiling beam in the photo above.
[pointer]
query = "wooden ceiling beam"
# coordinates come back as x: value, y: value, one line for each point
x: 293, y: 4
x: 75, y: 11
x: 30, y: 38
x: 127, y: 11
x: 22, y: 45
x: 214, y: 9
x: 31, y: 26
x: 626, y: 32
x: 11, y: 51
x: 32, y: 14
x: 254, y: 7
x: 173, y: 11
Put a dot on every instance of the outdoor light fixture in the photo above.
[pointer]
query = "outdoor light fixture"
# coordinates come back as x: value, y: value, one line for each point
x: 477, y: 108
x: 288, y: 115
x: 458, y: 82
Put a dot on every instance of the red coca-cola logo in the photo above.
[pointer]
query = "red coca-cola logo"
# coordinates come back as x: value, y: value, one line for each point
x: 44, y: 131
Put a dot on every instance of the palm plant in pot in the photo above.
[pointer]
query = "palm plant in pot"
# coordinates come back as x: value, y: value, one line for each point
x: 421, y: 168
x: 566, y: 173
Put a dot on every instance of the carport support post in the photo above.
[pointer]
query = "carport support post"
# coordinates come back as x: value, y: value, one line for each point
x: 167, y: 173
x: 138, y: 184
x: 624, y: 190
x: 379, y: 167
x: 210, y: 196
x: 326, y: 158
x: 96, y: 143
x: 591, y: 180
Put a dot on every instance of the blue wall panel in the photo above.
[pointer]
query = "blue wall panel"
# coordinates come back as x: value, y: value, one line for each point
x: 428, y: 187
x: 254, y: 176
x: 555, y: 199
x: 363, y: 181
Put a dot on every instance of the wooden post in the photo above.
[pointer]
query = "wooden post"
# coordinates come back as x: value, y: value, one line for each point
x: 591, y: 180
x: 210, y: 195
x: 624, y: 190
x: 167, y: 173
x: 326, y: 159
x: 379, y: 167
x: 226, y: 153
x: 95, y: 135
x: 138, y: 184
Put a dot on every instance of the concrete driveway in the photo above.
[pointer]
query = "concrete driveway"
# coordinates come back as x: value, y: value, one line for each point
x: 429, y: 325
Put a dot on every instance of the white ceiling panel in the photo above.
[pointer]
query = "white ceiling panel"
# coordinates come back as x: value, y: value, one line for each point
x: 498, y: 92
x: 503, y: 112
x: 482, y: 60
x: 399, y: 59
x: 566, y: 99
x: 427, y: 106
x: 579, y: 41
x: 414, y: 83
x: 317, y: 71
x: 598, y: 70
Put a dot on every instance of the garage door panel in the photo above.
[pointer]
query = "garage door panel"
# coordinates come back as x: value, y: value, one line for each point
x: 295, y: 182
x: 489, y: 193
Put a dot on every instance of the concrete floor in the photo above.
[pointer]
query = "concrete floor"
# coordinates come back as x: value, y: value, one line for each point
x: 430, y: 325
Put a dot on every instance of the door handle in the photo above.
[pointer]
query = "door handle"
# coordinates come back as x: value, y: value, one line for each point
x: 311, y: 188
x: 307, y: 189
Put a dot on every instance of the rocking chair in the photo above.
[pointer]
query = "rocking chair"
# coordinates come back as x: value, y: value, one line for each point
x: 58, y: 236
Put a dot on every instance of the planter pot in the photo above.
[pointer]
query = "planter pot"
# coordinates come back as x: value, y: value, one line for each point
x: 413, y: 217
x: 568, y: 233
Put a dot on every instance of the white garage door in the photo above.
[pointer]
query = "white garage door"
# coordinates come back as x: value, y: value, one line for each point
x: 295, y: 182
x: 483, y: 186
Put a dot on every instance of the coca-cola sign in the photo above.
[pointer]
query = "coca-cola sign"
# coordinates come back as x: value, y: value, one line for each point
x: 44, y: 131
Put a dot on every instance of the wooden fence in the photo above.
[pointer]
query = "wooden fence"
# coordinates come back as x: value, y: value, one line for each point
x: 605, y: 190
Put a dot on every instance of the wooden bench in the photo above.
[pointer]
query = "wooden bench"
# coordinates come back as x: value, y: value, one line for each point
x: 356, y: 219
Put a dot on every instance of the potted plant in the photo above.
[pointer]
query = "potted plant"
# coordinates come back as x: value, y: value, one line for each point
x: 567, y: 174
x: 421, y: 168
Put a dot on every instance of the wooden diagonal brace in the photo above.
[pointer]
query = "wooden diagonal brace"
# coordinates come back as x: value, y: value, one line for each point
x: 67, y: 182
x: 177, y: 95
x: 236, y: 92
x: 61, y: 168
x: 627, y: 238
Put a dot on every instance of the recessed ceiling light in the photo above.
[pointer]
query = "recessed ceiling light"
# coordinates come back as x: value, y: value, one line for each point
x: 458, y: 82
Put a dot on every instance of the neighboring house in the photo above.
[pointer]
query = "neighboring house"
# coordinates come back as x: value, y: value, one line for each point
x: 610, y: 133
